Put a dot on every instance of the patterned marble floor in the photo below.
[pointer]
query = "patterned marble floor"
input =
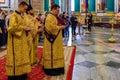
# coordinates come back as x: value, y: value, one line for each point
x: 96, y: 58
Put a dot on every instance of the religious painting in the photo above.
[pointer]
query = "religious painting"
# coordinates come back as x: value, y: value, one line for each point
x: 119, y: 5
x: 2, y: 1
x: 101, y: 5
x: 24, y: 0
x: 84, y: 5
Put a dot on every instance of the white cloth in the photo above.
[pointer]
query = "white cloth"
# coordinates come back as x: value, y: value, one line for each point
x: 6, y: 20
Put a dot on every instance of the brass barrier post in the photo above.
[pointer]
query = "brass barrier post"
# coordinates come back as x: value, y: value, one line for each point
x: 112, y: 39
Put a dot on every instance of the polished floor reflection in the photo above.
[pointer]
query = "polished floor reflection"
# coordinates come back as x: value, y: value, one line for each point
x: 96, y: 58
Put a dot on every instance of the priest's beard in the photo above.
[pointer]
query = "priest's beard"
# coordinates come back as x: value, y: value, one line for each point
x: 32, y: 14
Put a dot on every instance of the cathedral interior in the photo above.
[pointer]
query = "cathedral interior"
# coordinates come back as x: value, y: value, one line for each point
x: 97, y: 54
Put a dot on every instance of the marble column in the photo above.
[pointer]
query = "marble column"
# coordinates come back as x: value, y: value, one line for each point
x: 41, y: 6
x: 92, y: 4
x: 56, y: 2
x: 65, y: 5
x: 110, y: 5
x: 77, y: 5
x: 30, y: 2
x: 46, y: 5
x: 116, y: 7
x: 63, y: 8
x: 14, y: 4
x: 69, y: 7
x: 96, y: 6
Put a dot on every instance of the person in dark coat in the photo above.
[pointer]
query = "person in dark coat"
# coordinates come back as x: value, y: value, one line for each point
x: 89, y: 15
x: 3, y: 34
x: 74, y: 22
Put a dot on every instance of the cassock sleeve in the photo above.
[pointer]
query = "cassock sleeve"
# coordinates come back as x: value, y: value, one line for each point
x: 15, y: 26
x: 51, y: 24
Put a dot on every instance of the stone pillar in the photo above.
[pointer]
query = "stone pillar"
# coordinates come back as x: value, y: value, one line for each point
x: 47, y: 4
x: 56, y: 2
x: 92, y: 4
x: 110, y: 5
x: 63, y: 5
x: 41, y: 6
x: 77, y: 5
x: 36, y: 4
x: 14, y: 4
x: 30, y: 2
x: 12, y: 7
x: 96, y: 6
x: 66, y: 6
x: 69, y: 7
x: 116, y: 2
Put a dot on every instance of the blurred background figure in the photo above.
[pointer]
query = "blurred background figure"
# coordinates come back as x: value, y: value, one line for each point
x: 43, y: 17
x: 3, y: 31
x: 7, y: 22
x: 7, y: 18
x: 89, y: 15
x: 1, y: 13
x: 66, y: 30
x: 74, y: 22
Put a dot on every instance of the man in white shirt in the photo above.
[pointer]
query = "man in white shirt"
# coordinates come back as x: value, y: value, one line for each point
x: 0, y: 13
x: 7, y: 18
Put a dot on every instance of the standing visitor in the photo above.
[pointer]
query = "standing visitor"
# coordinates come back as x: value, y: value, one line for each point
x: 89, y: 15
x: 3, y: 29
x: 74, y: 22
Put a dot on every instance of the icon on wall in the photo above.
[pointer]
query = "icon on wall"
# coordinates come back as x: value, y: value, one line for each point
x: 101, y: 5
x: 2, y: 1
x: 119, y: 5
x: 84, y: 5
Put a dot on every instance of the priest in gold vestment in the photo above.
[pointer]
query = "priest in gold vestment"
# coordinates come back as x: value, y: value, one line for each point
x: 33, y: 35
x: 53, y: 57
x: 18, y: 61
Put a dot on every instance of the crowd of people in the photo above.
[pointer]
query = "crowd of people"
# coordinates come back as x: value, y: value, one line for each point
x: 4, y: 22
x: 63, y: 19
x: 20, y: 31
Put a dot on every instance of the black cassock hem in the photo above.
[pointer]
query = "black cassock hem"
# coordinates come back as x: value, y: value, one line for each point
x: 21, y: 77
x: 54, y: 72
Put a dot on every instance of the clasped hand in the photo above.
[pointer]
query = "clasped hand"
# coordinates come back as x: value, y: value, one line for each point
x: 28, y: 28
